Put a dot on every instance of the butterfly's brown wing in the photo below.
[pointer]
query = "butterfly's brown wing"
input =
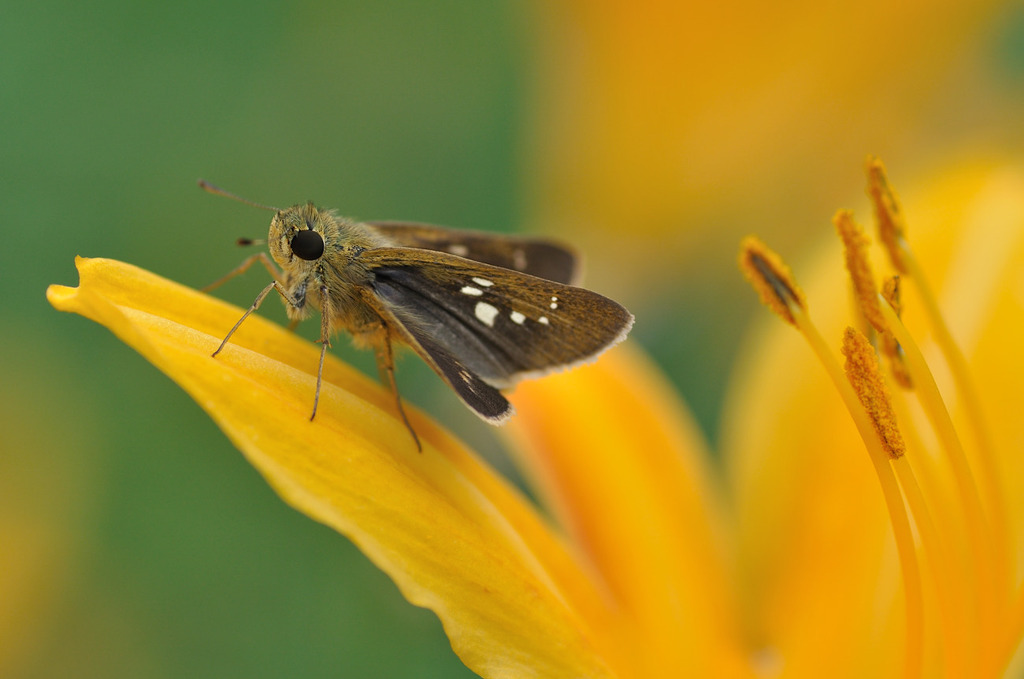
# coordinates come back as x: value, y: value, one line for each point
x: 482, y: 327
x: 533, y: 256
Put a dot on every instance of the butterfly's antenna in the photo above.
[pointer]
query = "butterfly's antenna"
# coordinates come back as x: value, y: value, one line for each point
x: 207, y: 186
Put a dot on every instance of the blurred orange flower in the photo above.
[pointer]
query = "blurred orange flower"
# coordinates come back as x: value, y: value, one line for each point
x: 674, y: 124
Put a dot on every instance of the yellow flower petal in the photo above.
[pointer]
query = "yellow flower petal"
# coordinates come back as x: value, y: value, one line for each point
x: 625, y: 469
x: 454, y: 537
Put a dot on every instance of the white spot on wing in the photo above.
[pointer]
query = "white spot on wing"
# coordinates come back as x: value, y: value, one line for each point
x: 543, y: 320
x: 483, y: 281
x: 458, y: 249
x: 474, y: 292
x: 486, y: 313
x: 554, y: 303
x: 517, y: 317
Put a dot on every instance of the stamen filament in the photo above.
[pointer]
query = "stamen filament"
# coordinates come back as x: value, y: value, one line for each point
x: 954, y: 639
x: 978, y: 529
x: 904, y: 538
x: 984, y: 459
x: 952, y: 554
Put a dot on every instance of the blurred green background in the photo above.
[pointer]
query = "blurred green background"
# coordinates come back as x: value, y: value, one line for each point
x: 134, y: 540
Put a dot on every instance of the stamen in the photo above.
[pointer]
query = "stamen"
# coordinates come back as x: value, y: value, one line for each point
x: 892, y: 231
x: 891, y: 226
x: 771, y: 279
x: 948, y: 553
x: 909, y: 567
x: 855, y: 249
x: 780, y: 293
x: 891, y: 349
x: 984, y: 458
x: 866, y: 379
x: 962, y: 534
x: 891, y: 294
x: 862, y: 372
x: 957, y: 644
x: 987, y: 547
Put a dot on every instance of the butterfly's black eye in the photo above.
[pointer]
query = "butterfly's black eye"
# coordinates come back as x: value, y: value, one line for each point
x: 308, y: 245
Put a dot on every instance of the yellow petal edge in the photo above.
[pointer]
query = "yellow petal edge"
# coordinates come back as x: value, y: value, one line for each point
x: 454, y: 537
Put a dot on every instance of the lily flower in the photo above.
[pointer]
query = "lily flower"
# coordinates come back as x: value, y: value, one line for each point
x: 805, y: 557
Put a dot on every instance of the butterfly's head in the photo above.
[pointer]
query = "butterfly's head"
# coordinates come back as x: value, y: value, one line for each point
x: 298, y: 234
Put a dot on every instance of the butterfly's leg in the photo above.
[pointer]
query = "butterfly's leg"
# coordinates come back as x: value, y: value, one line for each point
x: 261, y: 257
x: 386, y: 368
x: 325, y: 342
x: 253, y: 307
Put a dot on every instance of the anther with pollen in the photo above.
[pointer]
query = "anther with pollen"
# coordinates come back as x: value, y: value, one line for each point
x: 862, y: 371
x: 891, y: 225
x: 771, y: 279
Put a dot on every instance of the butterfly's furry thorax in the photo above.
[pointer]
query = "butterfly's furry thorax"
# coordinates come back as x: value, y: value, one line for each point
x: 338, y: 271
